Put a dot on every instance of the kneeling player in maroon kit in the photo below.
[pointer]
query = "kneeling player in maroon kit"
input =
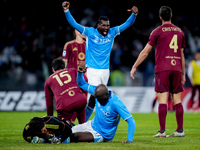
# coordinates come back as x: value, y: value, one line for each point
x: 67, y: 94
x: 169, y: 43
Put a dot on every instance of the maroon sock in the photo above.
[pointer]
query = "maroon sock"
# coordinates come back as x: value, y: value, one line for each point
x: 162, y: 113
x: 179, y: 116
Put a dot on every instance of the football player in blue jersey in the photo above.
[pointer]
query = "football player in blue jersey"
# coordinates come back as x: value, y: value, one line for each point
x: 99, y: 42
x: 109, y: 109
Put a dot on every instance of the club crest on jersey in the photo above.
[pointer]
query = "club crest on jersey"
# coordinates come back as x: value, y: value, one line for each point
x: 107, y: 108
x: 81, y: 56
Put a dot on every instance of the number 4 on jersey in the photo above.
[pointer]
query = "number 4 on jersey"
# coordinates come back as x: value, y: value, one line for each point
x: 173, y: 44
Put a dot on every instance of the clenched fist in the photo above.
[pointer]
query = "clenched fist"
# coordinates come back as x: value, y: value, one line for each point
x: 134, y: 10
x: 65, y: 5
x: 81, y: 69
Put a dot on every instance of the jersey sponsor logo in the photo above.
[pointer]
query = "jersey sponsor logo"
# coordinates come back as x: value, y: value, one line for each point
x: 105, y: 112
x: 70, y: 91
x: 52, y: 126
x: 173, y: 61
x: 22, y: 101
x: 98, y: 40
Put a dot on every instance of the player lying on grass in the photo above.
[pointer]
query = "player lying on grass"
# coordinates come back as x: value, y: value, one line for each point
x: 52, y: 129
x: 44, y: 130
x: 109, y: 109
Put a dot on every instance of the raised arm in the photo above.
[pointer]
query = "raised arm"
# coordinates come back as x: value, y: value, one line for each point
x: 130, y: 20
x: 81, y: 81
x: 70, y: 19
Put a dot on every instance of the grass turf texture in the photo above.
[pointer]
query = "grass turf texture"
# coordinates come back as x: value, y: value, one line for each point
x: 12, y: 124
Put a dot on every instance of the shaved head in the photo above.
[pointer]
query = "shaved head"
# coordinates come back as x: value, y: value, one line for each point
x: 102, y: 94
x: 100, y: 90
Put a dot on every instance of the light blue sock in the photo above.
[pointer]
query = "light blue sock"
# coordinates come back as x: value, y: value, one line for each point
x: 89, y: 112
x: 67, y: 140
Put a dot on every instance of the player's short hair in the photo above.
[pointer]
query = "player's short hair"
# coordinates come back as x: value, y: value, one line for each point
x: 166, y: 13
x: 104, y: 18
x: 58, y: 64
x: 36, y: 124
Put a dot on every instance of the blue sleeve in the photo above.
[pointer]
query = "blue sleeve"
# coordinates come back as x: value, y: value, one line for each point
x: 131, y: 128
x: 122, y: 109
x: 87, y: 31
x: 84, y: 85
x: 126, y: 115
x: 128, y: 23
x: 73, y: 22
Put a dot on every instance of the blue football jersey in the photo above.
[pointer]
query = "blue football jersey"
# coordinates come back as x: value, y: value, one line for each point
x: 107, y: 117
x: 98, y: 47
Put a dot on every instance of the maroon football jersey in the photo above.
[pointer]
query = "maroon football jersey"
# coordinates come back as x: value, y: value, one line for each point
x: 168, y: 40
x: 63, y: 86
x: 75, y: 54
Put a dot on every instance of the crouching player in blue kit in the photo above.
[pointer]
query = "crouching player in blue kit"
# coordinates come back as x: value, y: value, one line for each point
x: 109, y: 109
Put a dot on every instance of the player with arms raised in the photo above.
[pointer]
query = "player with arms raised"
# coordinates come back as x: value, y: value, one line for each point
x: 169, y: 43
x: 99, y: 43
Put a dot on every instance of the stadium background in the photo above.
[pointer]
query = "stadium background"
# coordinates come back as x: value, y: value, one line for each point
x: 34, y: 32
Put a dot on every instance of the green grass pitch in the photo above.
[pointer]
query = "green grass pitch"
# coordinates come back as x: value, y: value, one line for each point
x: 12, y: 124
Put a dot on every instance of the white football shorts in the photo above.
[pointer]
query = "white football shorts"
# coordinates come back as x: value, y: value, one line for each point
x: 86, y: 127
x: 98, y: 76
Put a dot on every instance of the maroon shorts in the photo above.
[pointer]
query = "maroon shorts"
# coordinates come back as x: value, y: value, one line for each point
x: 168, y: 81
x: 74, y: 110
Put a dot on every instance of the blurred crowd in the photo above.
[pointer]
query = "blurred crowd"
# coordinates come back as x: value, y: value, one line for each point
x: 33, y: 33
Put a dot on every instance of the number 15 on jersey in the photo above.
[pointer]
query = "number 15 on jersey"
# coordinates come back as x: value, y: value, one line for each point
x: 61, y: 75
